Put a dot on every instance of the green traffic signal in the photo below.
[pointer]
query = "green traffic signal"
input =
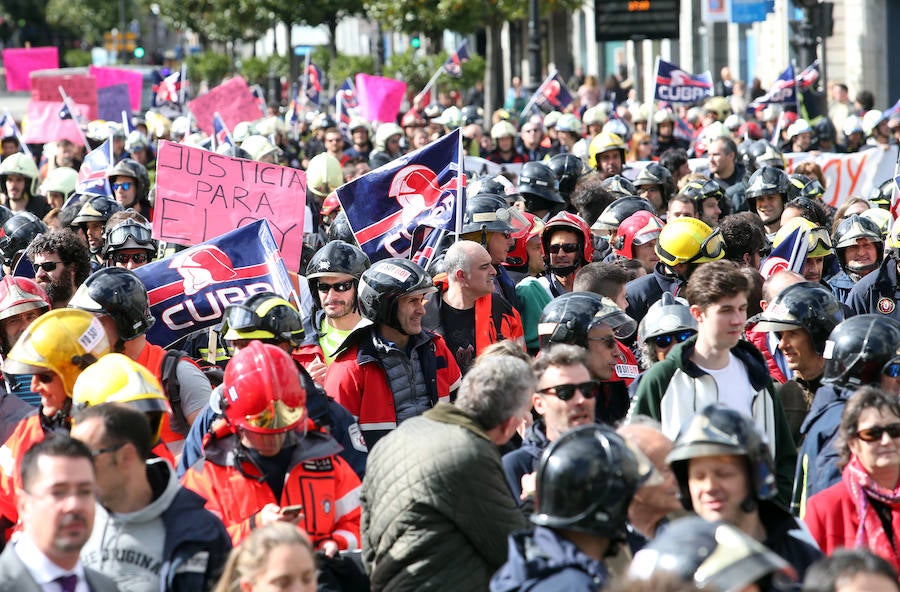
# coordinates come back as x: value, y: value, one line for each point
x: 415, y: 42
x: 139, y: 52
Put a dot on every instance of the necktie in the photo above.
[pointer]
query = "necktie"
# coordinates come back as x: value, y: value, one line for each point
x: 67, y: 583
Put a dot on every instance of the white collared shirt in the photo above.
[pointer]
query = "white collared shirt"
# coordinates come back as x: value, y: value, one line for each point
x: 45, y: 571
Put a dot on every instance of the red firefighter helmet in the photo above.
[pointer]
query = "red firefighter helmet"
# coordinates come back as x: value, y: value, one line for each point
x: 20, y: 294
x: 572, y: 223
x: 639, y: 228
x: 518, y: 255
x: 261, y: 391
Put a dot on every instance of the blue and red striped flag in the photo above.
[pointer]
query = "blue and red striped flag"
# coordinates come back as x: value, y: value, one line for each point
x: 454, y: 62
x: 221, y: 133
x: 674, y: 85
x: 92, y: 174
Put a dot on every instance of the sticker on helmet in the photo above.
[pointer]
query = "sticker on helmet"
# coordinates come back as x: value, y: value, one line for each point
x: 92, y: 336
x: 829, y: 350
x: 626, y: 371
x: 886, y: 305
x: 395, y: 271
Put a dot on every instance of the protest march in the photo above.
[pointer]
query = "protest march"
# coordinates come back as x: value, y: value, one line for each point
x: 370, y: 336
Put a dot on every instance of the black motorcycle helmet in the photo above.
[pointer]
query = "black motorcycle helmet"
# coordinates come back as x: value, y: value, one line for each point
x: 18, y: 232
x: 335, y: 257
x: 340, y: 229
x: 118, y: 293
x: 767, y: 180
x: 858, y: 349
x: 619, y: 210
x: 539, y: 187
x: 585, y: 480
x: 486, y: 213
x: 568, y: 168
x: 570, y: 317
x: 805, y: 305
x: 384, y: 283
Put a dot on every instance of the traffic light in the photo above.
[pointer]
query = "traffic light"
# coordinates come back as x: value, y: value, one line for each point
x: 416, y: 42
x: 139, y: 52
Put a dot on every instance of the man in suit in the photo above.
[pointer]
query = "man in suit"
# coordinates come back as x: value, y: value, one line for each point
x: 56, y: 506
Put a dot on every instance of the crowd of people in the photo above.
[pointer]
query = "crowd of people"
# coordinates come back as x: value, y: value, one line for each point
x: 605, y: 381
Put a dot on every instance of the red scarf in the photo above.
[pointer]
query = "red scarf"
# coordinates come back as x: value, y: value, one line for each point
x: 870, y: 533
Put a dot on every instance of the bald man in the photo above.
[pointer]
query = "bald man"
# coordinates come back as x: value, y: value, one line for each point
x: 767, y: 343
x: 469, y: 314
x: 653, y: 503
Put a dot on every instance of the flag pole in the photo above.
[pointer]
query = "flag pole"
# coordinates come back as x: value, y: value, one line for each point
x: 428, y: 85
x: 305, y: 80
x: 533, y: 98
x: 460, y: 187
x: 650, y: 121
x: 17, y: 132
x: 182, y: 90
x: 894, y: 196
x: 71, y: 107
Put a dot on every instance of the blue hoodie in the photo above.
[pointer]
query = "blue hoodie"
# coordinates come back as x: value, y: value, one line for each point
x: 540, y: 560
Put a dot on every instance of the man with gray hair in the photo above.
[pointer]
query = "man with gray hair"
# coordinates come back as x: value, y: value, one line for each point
x: 436, y: 508
x: 469, y: 314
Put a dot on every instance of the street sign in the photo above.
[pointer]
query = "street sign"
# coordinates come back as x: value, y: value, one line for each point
x: 621, y: 20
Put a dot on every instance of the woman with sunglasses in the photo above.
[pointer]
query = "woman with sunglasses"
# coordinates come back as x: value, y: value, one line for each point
x: 863, y: 509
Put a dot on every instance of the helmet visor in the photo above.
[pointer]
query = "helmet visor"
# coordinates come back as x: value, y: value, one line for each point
x: 275, y: 417
x: 711, y: 249
x: 819, y: 242
x: 240, y: 322
x: 119, y: 235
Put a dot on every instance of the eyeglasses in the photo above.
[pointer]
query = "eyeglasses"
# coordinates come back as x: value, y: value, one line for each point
x: 124, y: 258
x: 124, y: 186
x: 663, y: 341
x: 875, y: 433
x: 47, y: 266
x: 566, y: 248
x: 337, y: 287
x: 564, y: 392
x: 609, y: 341
x: 45, y: 377
x: 96, y: 453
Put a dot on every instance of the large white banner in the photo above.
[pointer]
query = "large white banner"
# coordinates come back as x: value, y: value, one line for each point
x: 850, y: 174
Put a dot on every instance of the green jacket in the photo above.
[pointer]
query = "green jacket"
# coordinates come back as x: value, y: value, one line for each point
x: 436, y: 506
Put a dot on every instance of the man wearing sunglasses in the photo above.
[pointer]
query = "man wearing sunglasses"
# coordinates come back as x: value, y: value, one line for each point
x: 127, y: 241
x: 564, y: 398
x: 61, y: 262
x: 567, y: 246
x: 131, y: 186
x: 717, y: 366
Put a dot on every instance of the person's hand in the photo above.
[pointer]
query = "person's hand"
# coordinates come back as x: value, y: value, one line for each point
x: 269, y: 514
x: 317, y: 370
x: 329, y: 547
x: 528, y: 486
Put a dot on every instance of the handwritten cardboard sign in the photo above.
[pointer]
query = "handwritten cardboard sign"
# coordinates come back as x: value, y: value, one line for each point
x: 232, y: 99
x: 201, y: 194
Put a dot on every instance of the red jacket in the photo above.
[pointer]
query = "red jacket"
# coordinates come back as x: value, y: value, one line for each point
x: 356, y: 379
x: 832, y: 519
x: 760, y: 340
x: 318, y: 479
x: 28, y: 432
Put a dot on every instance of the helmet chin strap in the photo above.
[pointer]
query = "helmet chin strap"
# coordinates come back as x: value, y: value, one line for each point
x: 749, y: 505
x: 564, y: 271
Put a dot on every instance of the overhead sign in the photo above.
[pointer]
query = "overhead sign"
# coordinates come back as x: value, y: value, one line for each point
x: 621, y: 20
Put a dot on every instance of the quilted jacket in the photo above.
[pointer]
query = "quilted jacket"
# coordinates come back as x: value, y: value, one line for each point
x: 436, y: 507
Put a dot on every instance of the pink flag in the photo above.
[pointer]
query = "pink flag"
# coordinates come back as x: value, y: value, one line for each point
x: 43, y: 124
x: 379, y: 98
x: 112, y: 76
x: 21, y: 62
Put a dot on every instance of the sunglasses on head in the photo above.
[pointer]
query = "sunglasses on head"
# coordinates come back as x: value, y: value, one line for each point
x: 125, y: 186
x: 124, y: 258
x: 662, y: 341
x: 566, y: 248
x: 875, y: 433
x: 337, y: 287
x: 47, y: 266
x: 891, y: 369
x: 130, y: 229
x: 564, y: 392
